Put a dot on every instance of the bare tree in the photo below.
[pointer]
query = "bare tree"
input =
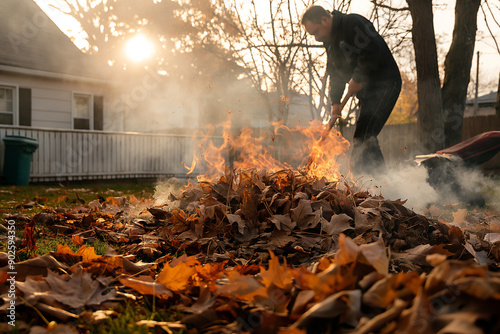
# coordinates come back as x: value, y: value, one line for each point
x: 271, y: 49
x: 440, y: 111
x: 430, y: 115
x: 457, y: 69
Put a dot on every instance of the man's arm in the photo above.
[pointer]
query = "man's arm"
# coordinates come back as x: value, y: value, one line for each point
x: 352, y: 89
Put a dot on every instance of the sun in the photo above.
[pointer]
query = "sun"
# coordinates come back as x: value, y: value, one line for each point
x: 139, y: 48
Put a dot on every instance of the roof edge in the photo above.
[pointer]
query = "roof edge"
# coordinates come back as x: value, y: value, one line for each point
x: 53, y: 75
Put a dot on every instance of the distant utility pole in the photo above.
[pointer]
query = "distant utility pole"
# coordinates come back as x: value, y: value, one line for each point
x: 476, y: 103
x: 498, y: 97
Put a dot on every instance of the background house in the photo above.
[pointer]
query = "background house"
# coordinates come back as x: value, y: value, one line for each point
x: 45, y: 80
x: 486, y: 105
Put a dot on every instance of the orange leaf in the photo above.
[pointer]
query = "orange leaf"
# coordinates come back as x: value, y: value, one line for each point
x: 87, y: 253
x: 455, y: 234
x: 63, y: 199
x: 242, y: 287
x: 333, y: 279
x: 146, y: 286
x: 77, y: 240
x: 64, y: 250
x: 176, y: 278
x: 278, y: 275
x: 3, y: 277
x: 208, y: 274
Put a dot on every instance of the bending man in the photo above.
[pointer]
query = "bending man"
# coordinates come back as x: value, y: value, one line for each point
x: 358, y: 56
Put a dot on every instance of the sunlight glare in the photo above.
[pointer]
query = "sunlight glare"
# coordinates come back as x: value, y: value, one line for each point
x: 139, y: 48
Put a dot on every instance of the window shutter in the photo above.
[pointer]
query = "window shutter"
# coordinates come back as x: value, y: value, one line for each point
x: 25, y: 106
x: 98, y: 113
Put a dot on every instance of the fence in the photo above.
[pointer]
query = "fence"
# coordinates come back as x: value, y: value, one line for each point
x: 86, y: 155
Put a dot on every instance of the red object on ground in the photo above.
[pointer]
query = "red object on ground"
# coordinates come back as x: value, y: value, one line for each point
x: 476, y: 150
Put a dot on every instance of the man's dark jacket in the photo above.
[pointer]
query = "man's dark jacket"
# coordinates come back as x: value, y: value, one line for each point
x: 357, y: 51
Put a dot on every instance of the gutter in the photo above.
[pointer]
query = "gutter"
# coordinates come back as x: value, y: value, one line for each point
x: 53, y: 75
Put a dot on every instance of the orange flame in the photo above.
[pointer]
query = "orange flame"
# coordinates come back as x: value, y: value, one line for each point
x: 285, y: 148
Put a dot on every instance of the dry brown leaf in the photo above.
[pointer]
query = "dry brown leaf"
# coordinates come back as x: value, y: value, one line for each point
x: 242, y: 287
x: 391, y: 287
x: 36, y: 266
x: 56, y: 312
x: 303, y: 215
x: 459, y: 216
x: 382, y: 319
x: 54, y: 329
x: 376, y: 255
x: 417, y: 319
x: 75, y: 291
x: 344, y: 304
x: 334, y: 279
x: 205, y: 301
x: 479, y: 287
x: 147, y: 286
x: 338, y: 224
x: 283, y: 222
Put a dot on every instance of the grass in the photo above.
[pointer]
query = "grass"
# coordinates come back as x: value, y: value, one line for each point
x: 32, y: 199
x: 50, y: 244
x: 125, y: 318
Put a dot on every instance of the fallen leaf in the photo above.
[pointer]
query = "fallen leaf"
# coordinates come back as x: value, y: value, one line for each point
x: 36, y: 266
x: 147, y: 286
x: 176, y: 278
x: 77, y: 240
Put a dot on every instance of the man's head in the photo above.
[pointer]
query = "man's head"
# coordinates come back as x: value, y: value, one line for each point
x: 318, y: 22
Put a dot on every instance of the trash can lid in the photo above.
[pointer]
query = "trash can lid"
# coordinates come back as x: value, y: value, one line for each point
x: 20, y: 140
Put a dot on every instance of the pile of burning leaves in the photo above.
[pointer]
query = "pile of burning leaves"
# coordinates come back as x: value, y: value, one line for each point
x: 268, y: 253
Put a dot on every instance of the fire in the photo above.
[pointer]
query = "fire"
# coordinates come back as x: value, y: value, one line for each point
x: 283, y: 149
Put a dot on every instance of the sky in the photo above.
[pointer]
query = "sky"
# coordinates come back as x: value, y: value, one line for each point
x: 489, y: 64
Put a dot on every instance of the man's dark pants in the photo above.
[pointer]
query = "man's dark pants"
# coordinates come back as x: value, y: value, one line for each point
x: 376, y: 100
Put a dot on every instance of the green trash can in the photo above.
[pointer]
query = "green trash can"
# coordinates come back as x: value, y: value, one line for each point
x: 17, y: 159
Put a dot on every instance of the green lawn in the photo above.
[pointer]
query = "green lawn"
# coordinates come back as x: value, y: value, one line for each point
x: 60, y: 197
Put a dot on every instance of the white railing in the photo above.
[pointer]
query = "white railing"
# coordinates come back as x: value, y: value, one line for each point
x: 85, y: 155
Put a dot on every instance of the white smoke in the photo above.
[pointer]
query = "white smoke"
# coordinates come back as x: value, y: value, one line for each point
x: 410, y: 182
x: 165, y: 192
x: 406, y: 182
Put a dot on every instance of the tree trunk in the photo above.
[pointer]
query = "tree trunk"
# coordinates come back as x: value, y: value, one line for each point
x: 457, y: 67
x: 498, y: 98
x: 430, y: 112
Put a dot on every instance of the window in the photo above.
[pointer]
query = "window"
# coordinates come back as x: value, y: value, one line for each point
x: 7, y: 105
x: 82, y: 111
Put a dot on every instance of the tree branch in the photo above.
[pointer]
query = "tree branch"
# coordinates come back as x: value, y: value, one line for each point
x: 402, y: 9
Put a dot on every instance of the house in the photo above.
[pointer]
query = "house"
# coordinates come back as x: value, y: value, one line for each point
x: 76, y: 108
x: 486, y: 105
x: 45, y: 80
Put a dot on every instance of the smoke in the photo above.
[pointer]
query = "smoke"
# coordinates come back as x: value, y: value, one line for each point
x: 405, y: 182
x: 460, y: 185
x: 165, y: 191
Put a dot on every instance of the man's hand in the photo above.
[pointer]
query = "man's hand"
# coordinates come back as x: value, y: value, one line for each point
x: 336, y: 112
x: 354, y: 87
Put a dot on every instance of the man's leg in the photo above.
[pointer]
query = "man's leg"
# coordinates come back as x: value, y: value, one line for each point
x: 376, y: 104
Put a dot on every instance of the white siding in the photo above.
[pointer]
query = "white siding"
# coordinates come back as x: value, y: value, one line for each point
x: 52, y: 101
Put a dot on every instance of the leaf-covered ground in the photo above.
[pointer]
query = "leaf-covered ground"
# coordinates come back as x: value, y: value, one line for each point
x: 257, y: 252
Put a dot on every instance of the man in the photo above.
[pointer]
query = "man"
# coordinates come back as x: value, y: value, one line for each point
x: 358, y: 56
